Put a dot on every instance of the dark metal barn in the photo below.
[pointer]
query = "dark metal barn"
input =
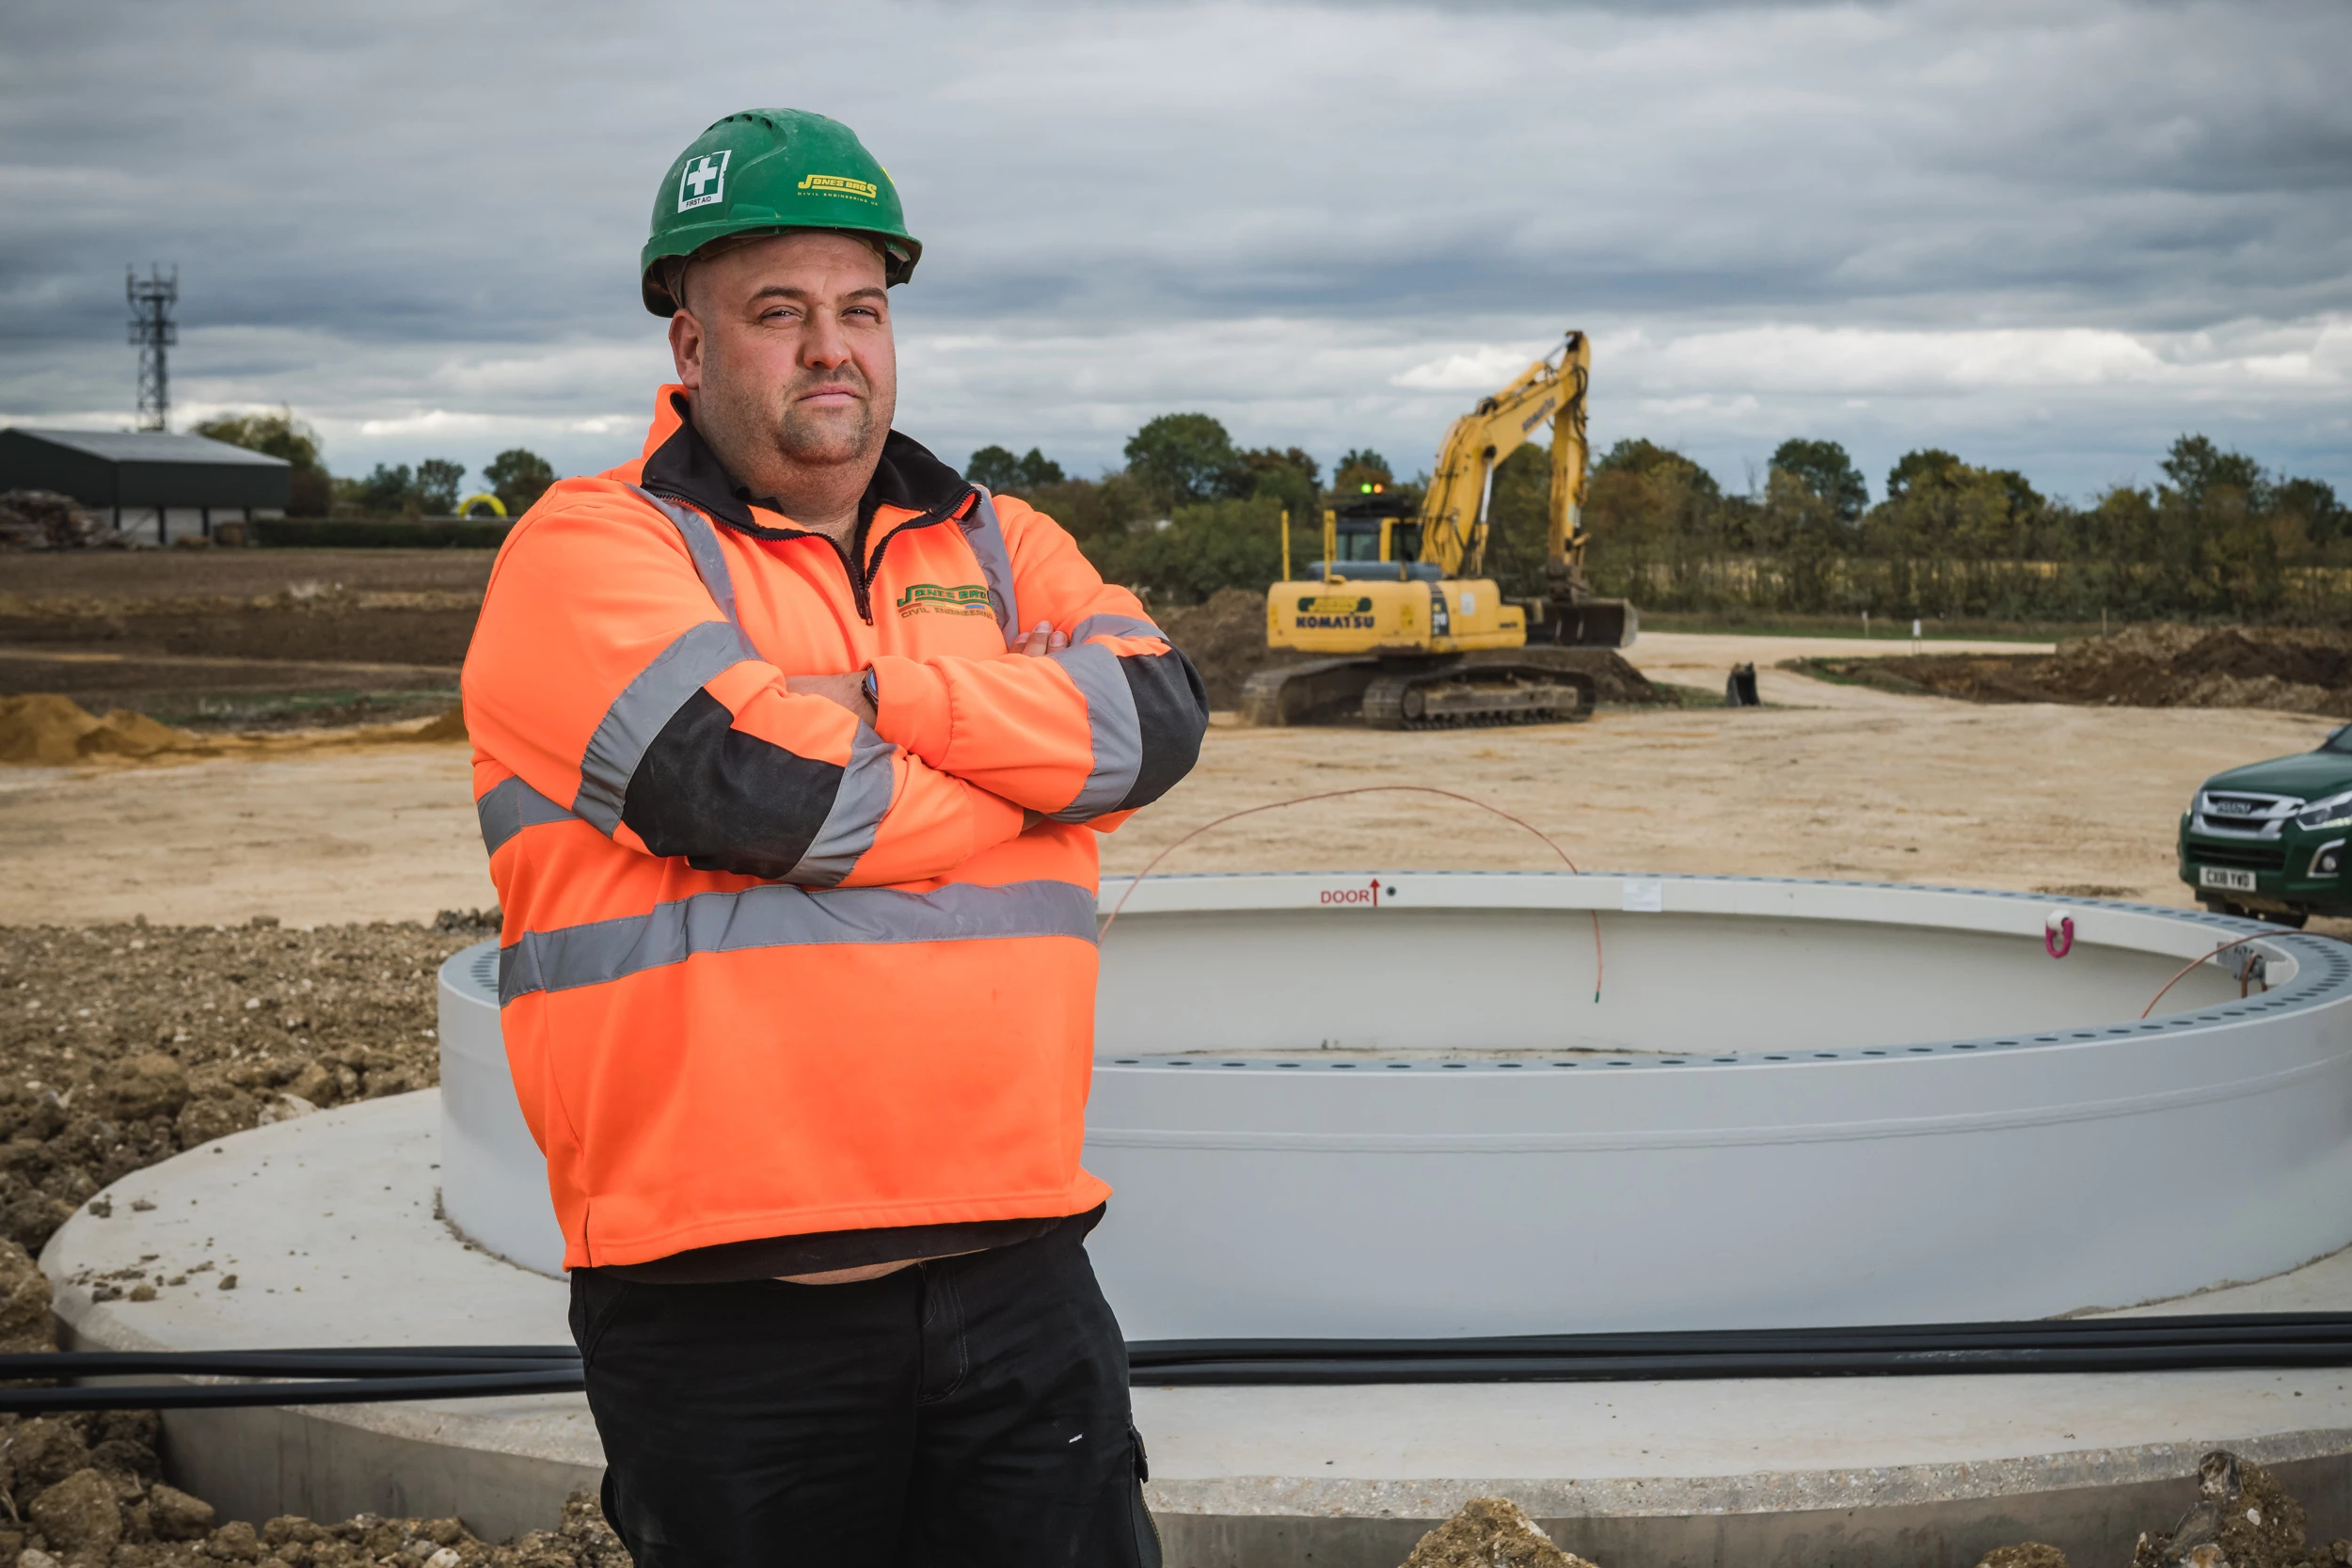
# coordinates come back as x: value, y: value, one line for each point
x: 153, y: 484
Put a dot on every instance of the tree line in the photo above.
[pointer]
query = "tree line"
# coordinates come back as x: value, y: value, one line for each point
x: 1191, y: 512
x: 2221, y: 537
x: 431, y: 489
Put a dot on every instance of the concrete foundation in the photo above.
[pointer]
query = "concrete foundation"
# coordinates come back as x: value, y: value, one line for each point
x: 1410, y: 1105
x: 330, y: 1225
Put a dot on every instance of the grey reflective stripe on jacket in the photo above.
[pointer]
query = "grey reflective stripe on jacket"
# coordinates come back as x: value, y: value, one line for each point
x: 511, y: 807
x: 859, y: 803
x: 699, y: 655
x: 701, y: 547
x: 869, y: 779
x: 982, y: 532
x: 1107, y: 624
x: 1113, y: 725
x: 775, y: 915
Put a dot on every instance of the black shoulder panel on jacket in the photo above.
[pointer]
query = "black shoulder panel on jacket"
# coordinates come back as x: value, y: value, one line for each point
x: 1172, y: 712
x: 726, y: 801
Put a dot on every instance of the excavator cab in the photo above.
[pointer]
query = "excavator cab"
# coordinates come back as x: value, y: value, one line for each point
x: 1376, y: 538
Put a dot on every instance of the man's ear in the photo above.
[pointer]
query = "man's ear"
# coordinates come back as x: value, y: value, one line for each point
x: 686, y: 349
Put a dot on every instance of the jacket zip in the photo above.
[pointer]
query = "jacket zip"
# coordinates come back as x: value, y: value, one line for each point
x: 862, y: 581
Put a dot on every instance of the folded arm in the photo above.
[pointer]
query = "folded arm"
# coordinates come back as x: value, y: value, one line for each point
x: 1086, y: 732
x: 602, y: 674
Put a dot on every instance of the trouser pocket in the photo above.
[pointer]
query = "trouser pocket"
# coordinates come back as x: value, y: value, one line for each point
x: 596, y: 1302
x: 1147, y: 1527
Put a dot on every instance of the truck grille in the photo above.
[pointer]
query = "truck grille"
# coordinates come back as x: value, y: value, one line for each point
x: 2245, y: 856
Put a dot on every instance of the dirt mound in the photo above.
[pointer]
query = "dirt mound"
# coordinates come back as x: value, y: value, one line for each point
x: 46, y: 730
x: 2243, y: 1519
x: 2291, y: 671
x: 45, y: 520
x: 52, y: 731
x: 448, y: 726
x: 2301, y: 671
x: 1225, y: 638
x: 1490, y: 1532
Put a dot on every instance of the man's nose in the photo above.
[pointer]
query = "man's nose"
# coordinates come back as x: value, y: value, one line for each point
x: 825, y: 346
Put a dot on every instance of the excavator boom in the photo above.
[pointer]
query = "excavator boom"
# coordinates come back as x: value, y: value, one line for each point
x: 1456, y: 512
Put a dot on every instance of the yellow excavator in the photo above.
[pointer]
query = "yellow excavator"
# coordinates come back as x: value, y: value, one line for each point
x: 1423, y: 641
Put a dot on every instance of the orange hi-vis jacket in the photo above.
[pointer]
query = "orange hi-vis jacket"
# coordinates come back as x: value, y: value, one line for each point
x: 767, y: 972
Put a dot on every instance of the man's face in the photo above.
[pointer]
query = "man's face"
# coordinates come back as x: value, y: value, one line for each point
x: 785, y: 341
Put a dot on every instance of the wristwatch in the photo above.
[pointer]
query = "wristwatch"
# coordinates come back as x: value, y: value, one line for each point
x: 873, y: 691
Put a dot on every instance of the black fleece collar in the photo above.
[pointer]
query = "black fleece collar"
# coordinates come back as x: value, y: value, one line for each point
x: 684, y: 469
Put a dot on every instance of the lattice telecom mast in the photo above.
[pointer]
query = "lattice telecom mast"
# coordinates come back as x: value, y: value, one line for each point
x: 153, y: 330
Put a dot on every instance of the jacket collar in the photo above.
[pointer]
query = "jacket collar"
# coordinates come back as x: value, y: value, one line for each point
x: 679, y: 463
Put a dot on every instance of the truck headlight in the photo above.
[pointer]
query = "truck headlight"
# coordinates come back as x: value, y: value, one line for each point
x: 2334, y: 812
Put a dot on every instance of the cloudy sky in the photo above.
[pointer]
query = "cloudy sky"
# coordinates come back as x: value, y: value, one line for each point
x: 2049, y: 234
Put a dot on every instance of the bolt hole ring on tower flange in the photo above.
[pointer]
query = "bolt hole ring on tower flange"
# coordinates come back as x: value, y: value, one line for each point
x: 2003, y: 1138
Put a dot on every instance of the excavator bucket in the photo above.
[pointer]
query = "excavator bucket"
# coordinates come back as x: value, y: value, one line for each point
x: 1588, y: 624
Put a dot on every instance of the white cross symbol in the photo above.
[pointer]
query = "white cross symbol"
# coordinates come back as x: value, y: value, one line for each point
x: 700, y: 172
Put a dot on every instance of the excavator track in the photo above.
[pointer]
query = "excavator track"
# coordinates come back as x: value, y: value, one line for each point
x: 1480, y: 695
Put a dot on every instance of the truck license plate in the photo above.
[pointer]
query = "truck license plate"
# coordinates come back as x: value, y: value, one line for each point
x: 2222, y: 877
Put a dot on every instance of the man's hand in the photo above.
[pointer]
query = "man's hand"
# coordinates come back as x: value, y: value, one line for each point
x: 848, y: 691
x: 1042, y: 640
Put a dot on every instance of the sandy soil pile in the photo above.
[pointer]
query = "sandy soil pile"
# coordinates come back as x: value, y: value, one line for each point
x: 43, y: 729
x: 1225, y: 638
x: 2290, y: 670
x: 47, y: 730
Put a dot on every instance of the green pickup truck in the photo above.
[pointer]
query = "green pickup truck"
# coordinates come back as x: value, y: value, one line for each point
x: 2269, y: 839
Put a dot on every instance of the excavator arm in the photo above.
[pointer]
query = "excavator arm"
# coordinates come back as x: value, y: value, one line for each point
x: 1454, y: 511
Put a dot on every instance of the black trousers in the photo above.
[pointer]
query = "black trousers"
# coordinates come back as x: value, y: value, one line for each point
x: 969, y: 1413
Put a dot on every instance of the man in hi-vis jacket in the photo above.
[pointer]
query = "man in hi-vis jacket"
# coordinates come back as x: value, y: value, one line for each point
x: 790, y: 749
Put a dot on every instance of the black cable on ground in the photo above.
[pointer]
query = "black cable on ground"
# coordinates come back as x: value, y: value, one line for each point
x: 2177, y: 1344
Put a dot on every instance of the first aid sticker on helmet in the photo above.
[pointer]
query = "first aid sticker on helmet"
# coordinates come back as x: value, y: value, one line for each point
x: 703, y: 181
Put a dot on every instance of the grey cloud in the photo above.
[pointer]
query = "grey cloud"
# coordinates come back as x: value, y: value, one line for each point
x: 366, y: 216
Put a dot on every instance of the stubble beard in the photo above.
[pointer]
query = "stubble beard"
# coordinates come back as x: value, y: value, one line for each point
x: 768, y: 439
x: 811, y: 439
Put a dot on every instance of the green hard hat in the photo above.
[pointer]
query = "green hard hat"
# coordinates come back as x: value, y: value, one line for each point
x: 764, y: 170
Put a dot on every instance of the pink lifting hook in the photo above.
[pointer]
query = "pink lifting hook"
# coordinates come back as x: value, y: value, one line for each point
x: 2057, y: 935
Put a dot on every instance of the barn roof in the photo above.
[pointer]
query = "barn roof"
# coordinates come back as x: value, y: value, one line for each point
x: 150, y: 446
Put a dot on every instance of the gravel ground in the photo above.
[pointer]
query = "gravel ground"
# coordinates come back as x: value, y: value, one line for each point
x: 122, y: 1045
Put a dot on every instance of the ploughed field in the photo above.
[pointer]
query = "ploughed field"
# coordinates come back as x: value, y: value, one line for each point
x: 243, y: 639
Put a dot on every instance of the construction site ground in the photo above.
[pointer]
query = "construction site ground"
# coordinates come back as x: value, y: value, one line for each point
x: 205, y: 930
x: 1827, y: 780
